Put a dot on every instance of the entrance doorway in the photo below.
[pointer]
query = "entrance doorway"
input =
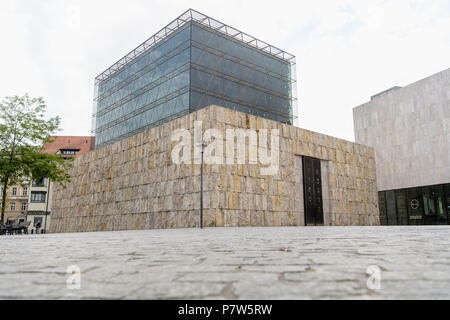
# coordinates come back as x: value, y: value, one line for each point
x: 312, y: 185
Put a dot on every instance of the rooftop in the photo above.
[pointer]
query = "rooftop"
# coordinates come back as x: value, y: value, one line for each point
x: 385, y: 92
x: 192, y: 15
x: 84, y: 144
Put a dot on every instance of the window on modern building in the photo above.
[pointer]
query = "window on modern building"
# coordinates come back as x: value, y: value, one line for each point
x: 14, y: 191
x: 13, y: 206
x: 25, y: 191
x: 38, y: 197
x: 23, y: 206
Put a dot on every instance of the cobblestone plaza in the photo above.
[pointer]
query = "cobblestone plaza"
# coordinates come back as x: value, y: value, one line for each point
x: 230, y: 263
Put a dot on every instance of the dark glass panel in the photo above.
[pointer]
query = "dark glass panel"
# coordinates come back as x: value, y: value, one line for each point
x: 127, y: 98
x: 447, y: 196
x: 177, y: 38
x: 402, y: 210
x: 433, y: 198
x: 382, y: 208
x: 440, y: 203
x: 414, y: 202
x: 249, y: 79
x: 391, y: 208
x: 224, y: 72
x: 429, y: 208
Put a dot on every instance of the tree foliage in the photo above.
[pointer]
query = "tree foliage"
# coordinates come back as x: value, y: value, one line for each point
x: 23, y: 132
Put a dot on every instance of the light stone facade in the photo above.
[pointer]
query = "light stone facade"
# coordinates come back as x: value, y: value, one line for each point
x: 40, y: 210
x: 133, y: 184
x: 15, y: 201
x: 410, y: 130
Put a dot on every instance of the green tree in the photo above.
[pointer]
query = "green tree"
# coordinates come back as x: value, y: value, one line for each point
x: 23, y: 132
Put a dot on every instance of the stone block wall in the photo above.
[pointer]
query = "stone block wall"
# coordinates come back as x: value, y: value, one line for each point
x: 134, y: 184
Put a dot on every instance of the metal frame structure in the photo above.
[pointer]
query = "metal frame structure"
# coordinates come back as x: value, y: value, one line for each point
x: 190, y: 18
x: 193, y: 15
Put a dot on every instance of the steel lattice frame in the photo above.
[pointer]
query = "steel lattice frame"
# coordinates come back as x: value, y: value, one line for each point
x: 192, y: 15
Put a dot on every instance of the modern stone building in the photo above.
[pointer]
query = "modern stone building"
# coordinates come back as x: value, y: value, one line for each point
x: 135, y: 184
x: 410, y: 130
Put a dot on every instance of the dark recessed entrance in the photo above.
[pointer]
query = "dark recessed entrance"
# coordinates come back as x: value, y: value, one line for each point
x: 312, y: 184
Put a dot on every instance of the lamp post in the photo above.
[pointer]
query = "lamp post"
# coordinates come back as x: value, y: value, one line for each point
x: 201, y: 191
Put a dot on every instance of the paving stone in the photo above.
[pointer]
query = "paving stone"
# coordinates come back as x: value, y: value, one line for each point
x: 230, y: 263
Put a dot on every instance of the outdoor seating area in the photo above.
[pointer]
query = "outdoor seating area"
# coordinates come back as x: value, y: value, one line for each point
x: 15, y: 228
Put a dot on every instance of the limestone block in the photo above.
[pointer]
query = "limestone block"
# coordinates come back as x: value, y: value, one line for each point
x: 243, y: 218
x: 268, y: 218
x: 231, y: 218
x: 256, y: 218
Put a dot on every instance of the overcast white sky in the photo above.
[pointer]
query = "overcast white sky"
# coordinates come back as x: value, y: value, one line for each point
x: 346, y: 50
